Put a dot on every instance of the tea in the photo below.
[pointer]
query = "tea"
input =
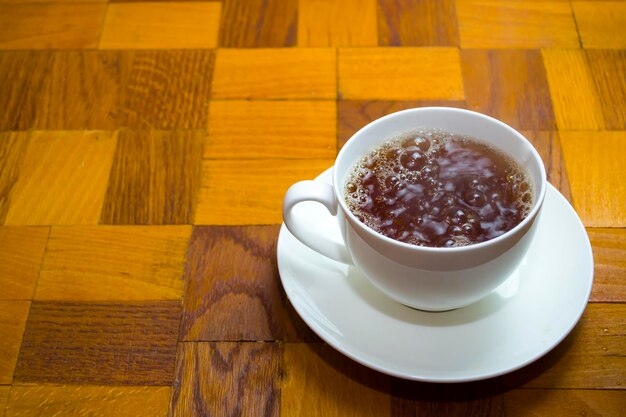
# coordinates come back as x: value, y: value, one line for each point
x: 429, y: 187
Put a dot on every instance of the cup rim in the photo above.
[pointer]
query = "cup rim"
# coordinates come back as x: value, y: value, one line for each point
x: 438, y: 250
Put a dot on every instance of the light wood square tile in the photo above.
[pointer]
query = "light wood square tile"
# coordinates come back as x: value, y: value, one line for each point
x: 608, y: 70
x: 161, y: 25
x: 516, y: 24
x: 5, y: 390
x: 114, y: 263
x: 238, y: 192
x: 271, y: 129
x: 400, y: 74
x: 63, y: 178
x: 596, y: 170
x: 13, y: 316
x: 602, y: 24
x: 319, y: 381
x: 95, y: 401
x: 337, y: 23
x: 275, y: 73
x: 21, y: 252
x: 50, y: 26
x: 574, y: 97
x: 609, y: 259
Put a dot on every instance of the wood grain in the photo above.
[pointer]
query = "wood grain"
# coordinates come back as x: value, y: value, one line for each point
x: 151, y: 1
x: 83, y: 91
x: 13, y: 316
x: 233, y: 289
x: 64, y: 178
x: 50, y: 26
x: 411, y: 398
x: 55, y: 1
x: 510, y: 85
x: 417, y: 23
x: 23, y: 77
x: 238, y: 192
x: 400, y: 74
x: 607, y: 68
x: 563, y: 403
x: 113, y: 263
x: 5, y: 390
x: 105, y: 89
x: 271, y: 129
x: 352, y: 115
x: 13, y: 146
x: 275, y: 73
x: 574, y: 95
x: 148, y: 25
x: 609, y: 256
x: 318, y: 381
x: 516, y: 24
x: 157, y: 138
x: 601, y: 24
x: 21, y: 252
x: 100, y: 343
x: 548, y: 144
x: 595, y: 175
x: 331, y: 23
x: 94, y: 401
x: 258, y: 23
x: 112, y: 89
x: 227, y: 379
x: 591, y: 357
x: 154, y: 177
x: 167, y: 89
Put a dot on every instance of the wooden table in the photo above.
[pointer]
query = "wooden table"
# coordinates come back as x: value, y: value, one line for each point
x: 144, y: 152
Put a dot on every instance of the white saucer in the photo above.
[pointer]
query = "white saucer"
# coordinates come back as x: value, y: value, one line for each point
x: 518, y: 323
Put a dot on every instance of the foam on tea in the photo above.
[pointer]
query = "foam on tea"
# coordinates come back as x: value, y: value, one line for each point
x: 429, y: 187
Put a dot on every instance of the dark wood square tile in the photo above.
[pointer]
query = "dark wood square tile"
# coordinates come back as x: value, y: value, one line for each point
x: 352, y: 115
x: 154, y: 178
x: 233, y: 288
x: 24, y: 76
x: 258, y: 23
x: 99, y: 343
x: 167, y: 89
x: 224, y: 379
x: 13, y: 147
x: 83, y: 91
x: 105, y: 89
x: 510, y: 85
x: 417, y: 23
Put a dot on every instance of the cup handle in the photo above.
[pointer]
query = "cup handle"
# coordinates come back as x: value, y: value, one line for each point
x: 323, y: 193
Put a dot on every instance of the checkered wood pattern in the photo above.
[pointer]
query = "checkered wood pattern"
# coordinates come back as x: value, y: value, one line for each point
x: 145, y: 147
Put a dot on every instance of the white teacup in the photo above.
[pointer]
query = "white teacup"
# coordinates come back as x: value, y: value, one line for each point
x: 426, y: 278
